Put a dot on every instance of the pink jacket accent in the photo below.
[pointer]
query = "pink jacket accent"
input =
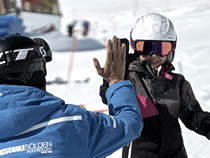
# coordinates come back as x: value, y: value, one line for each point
x: 147, y: 108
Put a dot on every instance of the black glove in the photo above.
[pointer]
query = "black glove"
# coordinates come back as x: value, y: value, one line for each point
x: 102, y: 92
x: 201, y: 123
x: 129, y: 59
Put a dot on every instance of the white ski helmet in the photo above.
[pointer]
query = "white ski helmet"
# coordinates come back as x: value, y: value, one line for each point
x: 154, y: 27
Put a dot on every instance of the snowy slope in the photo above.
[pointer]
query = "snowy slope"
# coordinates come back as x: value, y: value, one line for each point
x: 191, y: 20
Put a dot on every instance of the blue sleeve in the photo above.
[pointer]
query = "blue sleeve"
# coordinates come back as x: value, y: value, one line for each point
x: 105, y: 134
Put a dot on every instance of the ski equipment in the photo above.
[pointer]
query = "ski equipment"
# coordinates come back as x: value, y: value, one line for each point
x: 154, y: 33
x: 23, y: 61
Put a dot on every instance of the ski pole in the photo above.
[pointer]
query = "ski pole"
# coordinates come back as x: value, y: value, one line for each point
x: 71, y: 59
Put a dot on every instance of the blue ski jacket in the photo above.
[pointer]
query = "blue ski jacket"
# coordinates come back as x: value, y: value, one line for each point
x: 34, y: 123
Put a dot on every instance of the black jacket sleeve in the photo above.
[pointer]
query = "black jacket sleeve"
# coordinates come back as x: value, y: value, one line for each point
x: 191, y: 113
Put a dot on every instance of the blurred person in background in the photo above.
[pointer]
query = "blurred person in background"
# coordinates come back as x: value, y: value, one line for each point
x: 35, y: 123
x: 164, y: 97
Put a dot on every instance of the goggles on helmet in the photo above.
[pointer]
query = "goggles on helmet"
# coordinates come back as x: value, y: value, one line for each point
x: 161, y: 48
x: 147, y: 47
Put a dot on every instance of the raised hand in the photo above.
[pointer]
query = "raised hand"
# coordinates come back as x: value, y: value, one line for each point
x: 114, y: 68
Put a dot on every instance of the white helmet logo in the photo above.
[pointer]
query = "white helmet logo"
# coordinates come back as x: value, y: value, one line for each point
x: 43, y: 52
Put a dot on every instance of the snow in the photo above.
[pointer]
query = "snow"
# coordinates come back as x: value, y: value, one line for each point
x: 191, y: 20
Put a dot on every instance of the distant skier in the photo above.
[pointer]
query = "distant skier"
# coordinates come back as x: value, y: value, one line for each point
x: 34, y: 123
x: 86, y: 26
x: 163, y: 96
x: 71, y: 28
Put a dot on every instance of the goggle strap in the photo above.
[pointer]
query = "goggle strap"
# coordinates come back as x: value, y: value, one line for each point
x: 133, y: 43
x: 174, y: 45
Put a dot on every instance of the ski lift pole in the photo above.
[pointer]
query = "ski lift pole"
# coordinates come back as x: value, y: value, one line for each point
x: 71, y: 58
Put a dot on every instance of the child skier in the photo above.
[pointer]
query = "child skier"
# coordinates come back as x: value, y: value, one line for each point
x: 163, y: 96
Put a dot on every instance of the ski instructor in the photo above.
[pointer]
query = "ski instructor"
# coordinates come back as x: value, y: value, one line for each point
x: 34, y: 123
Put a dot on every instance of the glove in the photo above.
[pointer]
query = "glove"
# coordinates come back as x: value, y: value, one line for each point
x: 201, y: 123
x: 129, y: 59
x: 208, y: 135
x: 102, y: 91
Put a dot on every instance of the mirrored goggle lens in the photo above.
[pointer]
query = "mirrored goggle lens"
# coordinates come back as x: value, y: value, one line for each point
x: 147, y: 47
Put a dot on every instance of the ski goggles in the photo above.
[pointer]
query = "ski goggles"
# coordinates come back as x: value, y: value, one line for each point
x: 161, y: 48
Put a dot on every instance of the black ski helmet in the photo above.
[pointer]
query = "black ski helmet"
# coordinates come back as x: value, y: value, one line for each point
x: 23, y: 60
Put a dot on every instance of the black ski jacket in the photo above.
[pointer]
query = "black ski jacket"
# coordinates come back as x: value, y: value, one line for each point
x: 163, y: 99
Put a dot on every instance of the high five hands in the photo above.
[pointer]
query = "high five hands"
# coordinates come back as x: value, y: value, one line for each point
x: 114, y: 69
